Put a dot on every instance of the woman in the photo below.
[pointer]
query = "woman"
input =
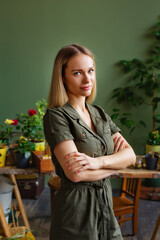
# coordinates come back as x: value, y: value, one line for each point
x: 86, y: 147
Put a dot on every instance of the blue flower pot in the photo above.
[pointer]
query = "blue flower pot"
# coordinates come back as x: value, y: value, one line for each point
x: 151, y: 162
x: 22, y: 160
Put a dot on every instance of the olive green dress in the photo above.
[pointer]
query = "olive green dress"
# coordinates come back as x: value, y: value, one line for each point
x: 83, y: 210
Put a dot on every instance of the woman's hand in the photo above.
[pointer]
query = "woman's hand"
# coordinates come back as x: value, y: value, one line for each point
x: 119, y: 142
x: 77, y: 162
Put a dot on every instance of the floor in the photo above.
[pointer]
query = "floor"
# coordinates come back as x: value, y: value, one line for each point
x: 38, y: 212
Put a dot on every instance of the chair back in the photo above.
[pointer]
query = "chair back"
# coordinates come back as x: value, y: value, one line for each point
x: 131, y: 188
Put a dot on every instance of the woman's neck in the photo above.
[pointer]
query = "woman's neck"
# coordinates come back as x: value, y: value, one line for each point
x: 78, y: 104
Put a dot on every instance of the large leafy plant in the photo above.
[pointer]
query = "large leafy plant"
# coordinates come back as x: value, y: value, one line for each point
x: 143, y: 85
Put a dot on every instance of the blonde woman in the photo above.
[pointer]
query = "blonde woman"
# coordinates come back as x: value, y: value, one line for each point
x: 87, y: 148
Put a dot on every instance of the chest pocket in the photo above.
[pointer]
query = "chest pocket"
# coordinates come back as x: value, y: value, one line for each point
x: 84, y: 141
x: 108, y: 138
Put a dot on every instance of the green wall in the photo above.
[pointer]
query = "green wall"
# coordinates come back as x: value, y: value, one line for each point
x: 32, y: 31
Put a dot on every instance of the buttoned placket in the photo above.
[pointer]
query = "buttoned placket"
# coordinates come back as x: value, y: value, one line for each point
x: 97, y: 122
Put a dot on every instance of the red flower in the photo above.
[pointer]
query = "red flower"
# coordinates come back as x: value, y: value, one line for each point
x: 32, y: 112
x: 15, y: 122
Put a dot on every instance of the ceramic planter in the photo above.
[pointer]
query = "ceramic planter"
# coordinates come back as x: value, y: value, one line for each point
x: 39, y: 146
x: 6, y: 187
x: 151, y: 162
x: 22, y: 159
x: 152, y: 148
x: 3, y: 156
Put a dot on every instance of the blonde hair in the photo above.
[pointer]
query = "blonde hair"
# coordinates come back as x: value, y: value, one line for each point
x: 58, y: 95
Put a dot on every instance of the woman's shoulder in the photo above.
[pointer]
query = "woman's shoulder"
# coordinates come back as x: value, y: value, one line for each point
x: 53, y: 114
x: 54, y: 111
x: 98, y: 111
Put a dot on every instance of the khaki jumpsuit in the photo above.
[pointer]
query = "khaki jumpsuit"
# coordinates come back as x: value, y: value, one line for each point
x: 83, y: 210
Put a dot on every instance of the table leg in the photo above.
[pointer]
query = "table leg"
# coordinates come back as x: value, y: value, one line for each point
x: 19, y: 201
x: 4, y: 223
x: 156, y: 229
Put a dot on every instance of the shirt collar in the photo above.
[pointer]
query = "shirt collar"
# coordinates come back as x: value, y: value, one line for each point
x: 67, y: 107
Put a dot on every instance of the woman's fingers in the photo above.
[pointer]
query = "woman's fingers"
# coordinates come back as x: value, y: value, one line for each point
x: 72, y: 154
x: 118, y: 144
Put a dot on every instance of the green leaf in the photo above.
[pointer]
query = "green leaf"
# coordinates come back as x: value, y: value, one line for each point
x: 142, y: 123
x: 114, y: 116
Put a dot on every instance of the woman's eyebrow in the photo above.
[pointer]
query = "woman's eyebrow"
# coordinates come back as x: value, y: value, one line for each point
x: 81, y: 69
x: 76, y: 70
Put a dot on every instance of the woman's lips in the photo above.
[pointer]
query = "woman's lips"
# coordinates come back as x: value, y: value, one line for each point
x: 86, y: 88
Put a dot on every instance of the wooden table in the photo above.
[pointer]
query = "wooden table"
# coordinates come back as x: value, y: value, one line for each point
x: 128, y: 172
x: 138, y: 173
x: 12, y: 171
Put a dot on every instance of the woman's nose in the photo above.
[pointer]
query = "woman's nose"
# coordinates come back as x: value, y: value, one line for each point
x: 86, y: 78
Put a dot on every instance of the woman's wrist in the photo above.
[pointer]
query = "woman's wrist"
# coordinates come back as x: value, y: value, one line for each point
x: 101, y: 163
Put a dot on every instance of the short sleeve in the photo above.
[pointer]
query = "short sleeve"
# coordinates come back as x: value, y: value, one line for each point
x: 56, y: 127
x: 113, y: 126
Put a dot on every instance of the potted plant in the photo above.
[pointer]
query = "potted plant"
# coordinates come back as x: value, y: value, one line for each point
x: 31, y: 125
x: 143, y: 86
x: 22, y: 150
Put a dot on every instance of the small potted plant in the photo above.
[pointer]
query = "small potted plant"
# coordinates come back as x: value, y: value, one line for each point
x: 153, y: 141
x: 22, y: 150
x: 31, y: 125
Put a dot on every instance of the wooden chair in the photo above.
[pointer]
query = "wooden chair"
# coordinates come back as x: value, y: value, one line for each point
x: 128, y: 202
x: 156, y: 228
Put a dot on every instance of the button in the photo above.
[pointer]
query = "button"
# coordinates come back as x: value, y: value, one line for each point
x: 108, y: 130
x: 83, y: 135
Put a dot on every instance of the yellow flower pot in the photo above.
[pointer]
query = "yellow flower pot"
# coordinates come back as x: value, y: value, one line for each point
x: 2, y: 156
x: 152, y: 148
x: 40, y: 146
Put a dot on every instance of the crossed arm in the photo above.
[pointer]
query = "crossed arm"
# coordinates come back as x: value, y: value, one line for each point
x: 80, y: 167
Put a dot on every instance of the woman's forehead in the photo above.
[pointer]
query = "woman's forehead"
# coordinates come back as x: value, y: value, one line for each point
x: 80, y: 61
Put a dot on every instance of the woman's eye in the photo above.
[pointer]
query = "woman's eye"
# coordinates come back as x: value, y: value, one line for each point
x: 91, y: 70
x: 77, y: 73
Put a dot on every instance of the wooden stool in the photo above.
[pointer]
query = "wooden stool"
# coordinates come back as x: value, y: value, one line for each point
x: 54, y: 183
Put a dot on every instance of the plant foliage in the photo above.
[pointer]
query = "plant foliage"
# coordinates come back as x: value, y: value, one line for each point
x: 143, y: 84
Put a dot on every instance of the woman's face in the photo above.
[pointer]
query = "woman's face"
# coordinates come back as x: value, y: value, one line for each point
x: 79, y: 76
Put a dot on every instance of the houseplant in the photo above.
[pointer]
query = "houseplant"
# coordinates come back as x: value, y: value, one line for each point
x: 22, y: 150
x: 31, y: 124
x: 143, y: 87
